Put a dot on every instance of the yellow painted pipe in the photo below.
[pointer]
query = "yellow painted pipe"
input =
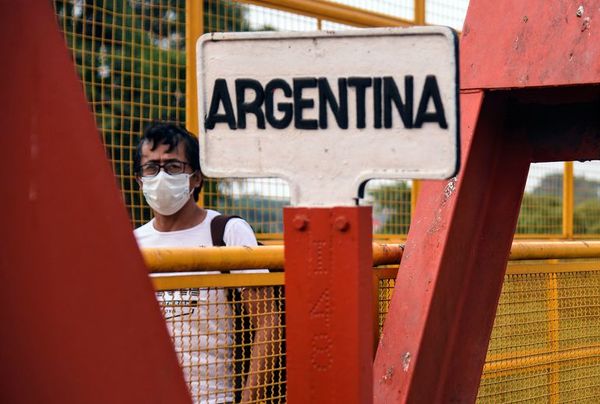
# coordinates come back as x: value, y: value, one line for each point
x: 193, y: 31
x: 535, y: 250
x: 568, y: 200
x: 420, y: 12
x: 546, y: 359
x: 387, y: 254
x: 231, y: 258
x: 213, y: 258
x: 335, y: 12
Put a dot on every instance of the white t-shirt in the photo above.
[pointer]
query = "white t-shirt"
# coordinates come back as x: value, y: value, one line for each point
x: 199, y: 320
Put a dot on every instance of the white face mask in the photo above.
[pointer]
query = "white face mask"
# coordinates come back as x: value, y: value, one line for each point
x: 166, y: 193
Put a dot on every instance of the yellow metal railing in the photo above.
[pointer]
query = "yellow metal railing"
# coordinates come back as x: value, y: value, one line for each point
x: 230, y: 342
x: 545, y: 344
x: 194, y: 28
x: 231, y: 258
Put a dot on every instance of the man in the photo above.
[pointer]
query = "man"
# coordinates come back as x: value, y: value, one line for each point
x: 167, y: 169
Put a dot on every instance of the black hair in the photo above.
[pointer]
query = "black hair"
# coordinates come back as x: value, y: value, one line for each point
x: 158, y: 133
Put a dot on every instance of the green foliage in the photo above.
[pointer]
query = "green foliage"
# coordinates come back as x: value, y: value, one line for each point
x: 540, y: 214
x: 584, y: 189
x: 225, y: 16
x: 541, y: 210
x: 130, y: 56
x: 131, y: 61
x: 263, y: 213
x: 587, y: 217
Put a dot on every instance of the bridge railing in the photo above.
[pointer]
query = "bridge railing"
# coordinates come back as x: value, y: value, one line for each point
x: 545, y: 344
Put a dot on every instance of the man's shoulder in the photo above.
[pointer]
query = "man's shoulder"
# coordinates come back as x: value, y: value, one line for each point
x: 211, y: 214
x: 147, y: 228
x: 239, y: 232
x: 238, y: 223
x: 233, y: 222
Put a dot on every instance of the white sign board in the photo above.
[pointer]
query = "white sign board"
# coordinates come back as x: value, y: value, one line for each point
x: 327, y: 111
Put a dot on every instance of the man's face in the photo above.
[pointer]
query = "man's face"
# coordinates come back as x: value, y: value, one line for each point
x: 160, y: 156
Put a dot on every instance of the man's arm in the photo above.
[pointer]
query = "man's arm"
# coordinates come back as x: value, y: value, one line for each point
x: 262, y: 307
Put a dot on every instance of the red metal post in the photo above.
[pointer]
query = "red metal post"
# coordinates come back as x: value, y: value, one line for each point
x: 328, y: 264
x: 79, y: 320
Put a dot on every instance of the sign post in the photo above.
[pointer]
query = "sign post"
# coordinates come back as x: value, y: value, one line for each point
x: 329, y: 339
x: 327, y: 111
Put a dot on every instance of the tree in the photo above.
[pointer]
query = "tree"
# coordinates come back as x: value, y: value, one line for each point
x: 540, y: 214
x: 541, y: 209
x: 587, y: 217
x: 225, y: 16
x: 584, y: 188
x: 130, y: 56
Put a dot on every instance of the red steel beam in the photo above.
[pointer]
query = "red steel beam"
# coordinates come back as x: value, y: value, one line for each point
x: 524, y: 99
x: 540, y: 44
x: 80, y: 323
x: 444, y: 302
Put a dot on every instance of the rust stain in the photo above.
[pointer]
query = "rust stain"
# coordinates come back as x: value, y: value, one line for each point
x: 585, y: 25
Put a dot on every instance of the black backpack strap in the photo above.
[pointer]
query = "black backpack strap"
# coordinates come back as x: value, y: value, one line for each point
x: 242, y: 334
x: 217, y: 229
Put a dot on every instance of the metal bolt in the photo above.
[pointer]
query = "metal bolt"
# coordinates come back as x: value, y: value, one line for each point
x: 300, y: 222
x: 579, y: 12
x: 341, y: 223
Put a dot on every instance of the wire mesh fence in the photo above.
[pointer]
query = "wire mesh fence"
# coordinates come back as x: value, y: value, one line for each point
x: 230, y: 342
x: 546, y: 340
x: 586, y: 198
x: 544, y: 347
x: 131, y: 58
x: 542, y: 204
x: 545, y: 344
x: 391, y: 202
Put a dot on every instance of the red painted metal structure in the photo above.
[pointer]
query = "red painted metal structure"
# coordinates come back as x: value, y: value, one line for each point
x: 79, y: 321
x: 329, y: 341
x: 530, y: 72
x: 72, y: 333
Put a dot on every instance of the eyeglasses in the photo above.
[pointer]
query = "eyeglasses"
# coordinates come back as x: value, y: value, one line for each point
x: 171, y: 167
